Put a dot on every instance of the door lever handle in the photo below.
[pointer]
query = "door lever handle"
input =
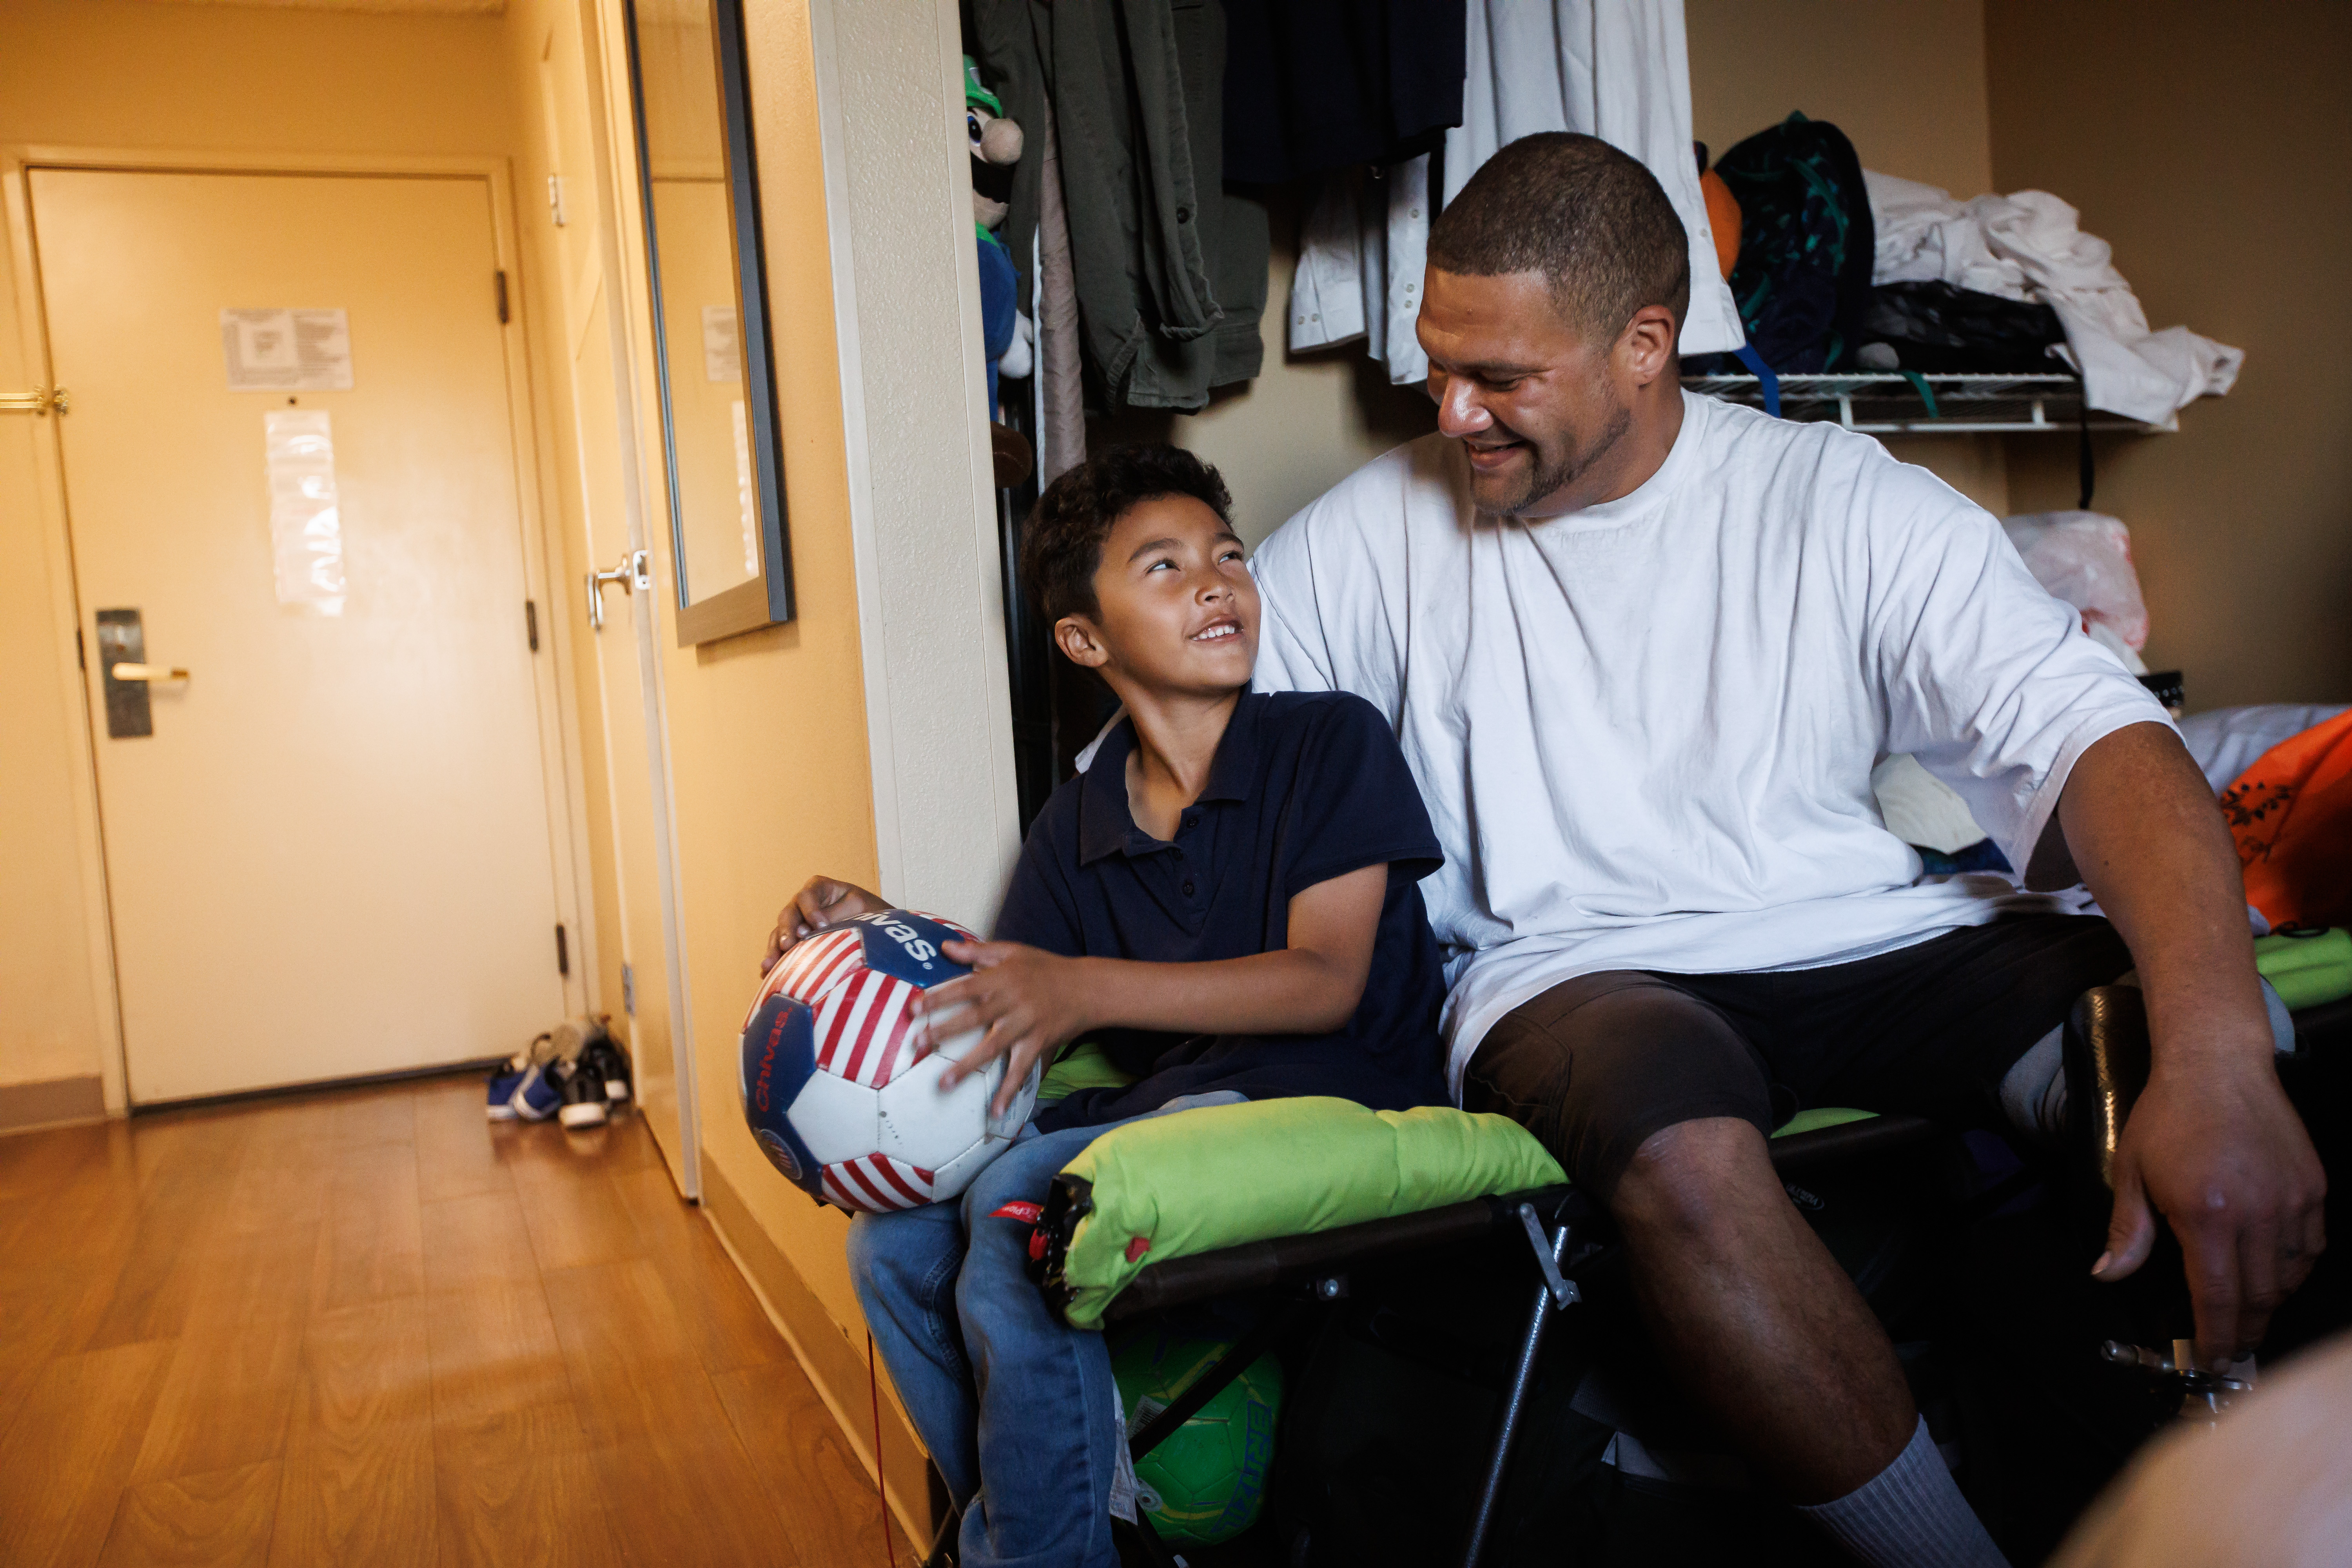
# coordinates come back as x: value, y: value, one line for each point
x: 148, y: 672
x: 633, y: 574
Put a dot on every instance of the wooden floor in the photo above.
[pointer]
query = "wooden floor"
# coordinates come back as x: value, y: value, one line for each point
x: 369, y: 1327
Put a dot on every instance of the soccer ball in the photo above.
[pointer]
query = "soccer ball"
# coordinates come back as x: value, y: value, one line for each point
x: 1206, y: 1481
x: 838, y: 1095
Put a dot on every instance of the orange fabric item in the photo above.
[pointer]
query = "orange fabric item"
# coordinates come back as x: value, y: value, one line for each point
x: 2291, y: 814
x: 1723, y: 217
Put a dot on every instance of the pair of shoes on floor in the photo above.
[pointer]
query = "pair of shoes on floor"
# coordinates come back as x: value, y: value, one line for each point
x: 541, y: 1082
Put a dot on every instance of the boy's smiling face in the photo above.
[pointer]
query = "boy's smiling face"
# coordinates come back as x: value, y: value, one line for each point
x: 1176, y: 606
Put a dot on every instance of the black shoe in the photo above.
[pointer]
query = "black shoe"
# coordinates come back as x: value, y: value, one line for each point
x: 583, y: 1095
x: 605, y: 1060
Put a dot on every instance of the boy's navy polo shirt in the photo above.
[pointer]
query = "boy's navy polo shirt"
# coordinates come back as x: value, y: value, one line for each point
x: 1307, y: 785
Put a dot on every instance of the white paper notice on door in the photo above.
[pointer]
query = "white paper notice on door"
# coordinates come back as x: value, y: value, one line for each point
x: 287, y: 349
x: 306, y: 526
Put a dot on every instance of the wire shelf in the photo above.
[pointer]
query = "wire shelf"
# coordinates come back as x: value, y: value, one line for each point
x: 1890, y: 403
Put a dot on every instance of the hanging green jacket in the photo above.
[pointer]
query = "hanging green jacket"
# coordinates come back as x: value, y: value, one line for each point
x: 1170, y: 267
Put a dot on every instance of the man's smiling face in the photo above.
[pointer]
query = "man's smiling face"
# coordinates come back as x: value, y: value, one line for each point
x: 1534, y: 402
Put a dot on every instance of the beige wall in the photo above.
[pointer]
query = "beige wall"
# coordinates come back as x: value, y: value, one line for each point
x: 1905, y: 81
x: 121, y: 74
x: 2208, y: 145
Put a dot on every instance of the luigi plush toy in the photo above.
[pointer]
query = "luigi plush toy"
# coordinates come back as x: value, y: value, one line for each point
x: 1005, y: 331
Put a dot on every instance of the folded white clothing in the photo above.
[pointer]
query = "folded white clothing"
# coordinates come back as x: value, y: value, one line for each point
x: 2030, y: 246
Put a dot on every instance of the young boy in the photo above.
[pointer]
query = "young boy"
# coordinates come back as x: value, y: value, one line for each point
x: 1226, y: 900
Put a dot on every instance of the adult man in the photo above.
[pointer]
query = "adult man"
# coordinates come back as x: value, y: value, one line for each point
x: 1642, y: 650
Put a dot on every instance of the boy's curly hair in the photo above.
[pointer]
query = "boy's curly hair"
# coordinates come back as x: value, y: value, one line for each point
x: 1061, y: 544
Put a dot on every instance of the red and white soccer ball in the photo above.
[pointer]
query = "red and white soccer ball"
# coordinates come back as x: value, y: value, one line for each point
x: 836, y: 1089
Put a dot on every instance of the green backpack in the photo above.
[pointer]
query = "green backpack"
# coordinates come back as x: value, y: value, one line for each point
x: 1806, y: 242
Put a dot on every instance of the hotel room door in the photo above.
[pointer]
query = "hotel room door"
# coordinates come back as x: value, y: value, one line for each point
x: 291, y: 462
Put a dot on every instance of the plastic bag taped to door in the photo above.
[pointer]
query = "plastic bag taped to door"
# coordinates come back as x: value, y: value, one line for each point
x: 306, y: 529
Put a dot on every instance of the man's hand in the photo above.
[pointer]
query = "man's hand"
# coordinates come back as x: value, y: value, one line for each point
x: 2225, y: 1158
x: 2212, y: 1144
x: 823, y: 901
x: 1028, y: 1002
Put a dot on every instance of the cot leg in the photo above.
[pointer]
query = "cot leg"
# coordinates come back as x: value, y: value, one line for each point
x: 1140, y: 1545
x: 1551, y: 1295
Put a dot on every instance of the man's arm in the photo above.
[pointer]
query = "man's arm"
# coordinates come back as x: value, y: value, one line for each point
x: 1031, y: 1002
x: 2212, y: 1143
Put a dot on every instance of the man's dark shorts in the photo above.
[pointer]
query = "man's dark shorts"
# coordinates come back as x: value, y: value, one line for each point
x: 1596, y: 1064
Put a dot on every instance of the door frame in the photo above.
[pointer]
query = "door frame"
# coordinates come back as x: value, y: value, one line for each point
x: 543, y: 570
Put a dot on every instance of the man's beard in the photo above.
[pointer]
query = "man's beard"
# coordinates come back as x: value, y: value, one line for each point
x: 1547, y: 479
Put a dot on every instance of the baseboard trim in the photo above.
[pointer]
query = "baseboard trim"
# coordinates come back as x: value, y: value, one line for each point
x: 49, y: 1101
x: 833, y: 1364
x: 316, y: 1086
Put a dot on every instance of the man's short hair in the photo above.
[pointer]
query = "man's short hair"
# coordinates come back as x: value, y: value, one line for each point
x: 1592, y: 220
x: 1061, y: 544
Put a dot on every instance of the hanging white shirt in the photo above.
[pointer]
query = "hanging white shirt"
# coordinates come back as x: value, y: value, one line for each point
x: 1646, y: 731
x: 1361, y: 250
x: 1617, y: 69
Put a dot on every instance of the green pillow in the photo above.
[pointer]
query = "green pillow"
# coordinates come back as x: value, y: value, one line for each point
x: 2306, y: 967
x: 1221, y: 1175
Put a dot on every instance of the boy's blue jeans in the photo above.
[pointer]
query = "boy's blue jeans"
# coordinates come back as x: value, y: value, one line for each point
x: 998, y: 1390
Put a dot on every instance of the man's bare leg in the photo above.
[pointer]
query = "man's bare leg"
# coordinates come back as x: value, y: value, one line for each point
x: 1761, y: 1327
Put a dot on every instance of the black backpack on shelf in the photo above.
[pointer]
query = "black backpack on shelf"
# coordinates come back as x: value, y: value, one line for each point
x: 1942, y: 329
x: 1806, y: 240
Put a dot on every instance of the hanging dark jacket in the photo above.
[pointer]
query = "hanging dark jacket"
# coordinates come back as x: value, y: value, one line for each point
x: 1170, y: 267
x: 1316, y: 85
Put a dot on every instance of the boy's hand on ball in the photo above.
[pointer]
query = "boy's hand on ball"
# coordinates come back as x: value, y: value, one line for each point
x: 822, y: 901
x: 1026, y: 1002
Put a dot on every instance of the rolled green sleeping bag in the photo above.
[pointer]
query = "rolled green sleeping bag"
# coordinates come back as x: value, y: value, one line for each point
x: 1176, y: 1186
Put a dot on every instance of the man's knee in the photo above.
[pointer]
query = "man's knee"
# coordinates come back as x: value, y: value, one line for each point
x: 1681, y: 1176
x: 1597, y: 1065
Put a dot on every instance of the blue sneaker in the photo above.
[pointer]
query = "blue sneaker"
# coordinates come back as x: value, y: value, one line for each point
x: 537, y: 1096
x: 505, y: 1078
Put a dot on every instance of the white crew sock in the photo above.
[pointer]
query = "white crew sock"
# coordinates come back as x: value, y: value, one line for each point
x: 2033, y: 1092
x: 1909, y: 1515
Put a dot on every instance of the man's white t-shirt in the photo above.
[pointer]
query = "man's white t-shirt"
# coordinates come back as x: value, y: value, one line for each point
x: 1646, y: 731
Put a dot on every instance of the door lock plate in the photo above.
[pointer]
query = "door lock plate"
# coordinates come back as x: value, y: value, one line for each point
x: 121, y: 639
